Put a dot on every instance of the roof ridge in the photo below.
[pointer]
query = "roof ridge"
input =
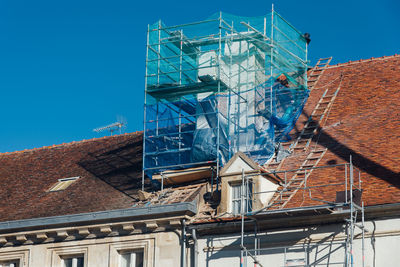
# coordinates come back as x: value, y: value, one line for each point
x: 68, y: 144
x: 362, y: 61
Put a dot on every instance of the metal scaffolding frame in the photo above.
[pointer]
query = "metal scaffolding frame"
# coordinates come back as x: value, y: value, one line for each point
x: 210, y: 82
x: 348, y: 205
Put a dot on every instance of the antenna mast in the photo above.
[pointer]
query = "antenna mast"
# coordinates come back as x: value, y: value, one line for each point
x: 116, y: 126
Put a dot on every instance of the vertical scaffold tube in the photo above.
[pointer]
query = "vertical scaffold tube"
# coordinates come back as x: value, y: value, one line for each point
x: 218, y: 94
x: 272, y: 57
x: 183, y: 247
x: 242, y: 217
x: 363, y: 234
x: 144, y: 109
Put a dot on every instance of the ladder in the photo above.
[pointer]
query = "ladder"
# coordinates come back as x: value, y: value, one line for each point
x: 317, y: 71
x: 316, y: 118
x: 298, y: 179
x: 310, y: 128
x: 301, y: 144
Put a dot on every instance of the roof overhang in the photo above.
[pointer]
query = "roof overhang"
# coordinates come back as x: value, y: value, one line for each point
x: 132, y: 214
x: 294, y: 217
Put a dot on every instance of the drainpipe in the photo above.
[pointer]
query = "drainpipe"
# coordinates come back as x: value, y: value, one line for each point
x: 183, y: 247
x: 195, y: 247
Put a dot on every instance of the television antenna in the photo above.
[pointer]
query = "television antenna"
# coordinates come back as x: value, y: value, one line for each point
x: 113, y: 127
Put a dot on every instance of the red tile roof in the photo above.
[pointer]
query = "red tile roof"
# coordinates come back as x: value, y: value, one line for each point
x: 26, y: 176
x: 363, y: 122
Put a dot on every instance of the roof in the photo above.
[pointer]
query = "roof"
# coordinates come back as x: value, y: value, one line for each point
x: 26, y: 177
x: 363, y: 122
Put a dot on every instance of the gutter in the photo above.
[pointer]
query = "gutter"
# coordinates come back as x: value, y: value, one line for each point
x: 295, y: 217
x: 160, y: 211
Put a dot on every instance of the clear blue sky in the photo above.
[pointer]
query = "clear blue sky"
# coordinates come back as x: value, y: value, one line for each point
x: 67, y: 67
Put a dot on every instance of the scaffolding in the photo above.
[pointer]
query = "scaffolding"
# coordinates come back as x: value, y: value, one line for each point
x: 219, y: 86
x: 348, y: 203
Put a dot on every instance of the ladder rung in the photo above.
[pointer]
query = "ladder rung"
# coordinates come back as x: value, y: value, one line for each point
x: 307, y: 166
x: 317, y: 115
x: 318, y: 151
x: 311, y: 161
x: 302, y: 141
x: 297, y: 180
x: 274, y: 163
x: 325, y: 58
x: 328, y: 96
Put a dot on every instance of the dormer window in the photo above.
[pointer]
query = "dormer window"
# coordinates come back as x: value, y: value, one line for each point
x: 236, y: 198
x: 254, y: 180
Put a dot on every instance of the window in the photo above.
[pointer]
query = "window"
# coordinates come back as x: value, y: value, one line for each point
x: 132, y: 253
x: 131, y: 258
x: 62, y: 184
x: 66, y: 256
x: 72, y: 261
x: 10, y: 263
x: 15, y: 258
x: 236, y: 197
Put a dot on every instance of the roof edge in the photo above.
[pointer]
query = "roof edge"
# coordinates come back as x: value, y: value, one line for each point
x: 98, y: 216
x: 381, y: 211
x: 137, y: 133
x: 362, y: 61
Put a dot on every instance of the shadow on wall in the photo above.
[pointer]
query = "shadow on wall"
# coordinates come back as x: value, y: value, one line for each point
x: 291, y: 248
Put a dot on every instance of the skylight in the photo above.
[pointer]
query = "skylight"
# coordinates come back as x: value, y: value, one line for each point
x: 63, y: 183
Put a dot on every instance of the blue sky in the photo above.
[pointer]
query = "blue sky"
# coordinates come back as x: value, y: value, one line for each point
x: 67, y: 67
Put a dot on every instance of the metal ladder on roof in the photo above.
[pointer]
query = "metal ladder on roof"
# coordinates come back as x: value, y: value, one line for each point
x: 317, y: 71
x: 309, y: 129
x: 296, y: 182
x: 302, y: 143
x: 314, y: 121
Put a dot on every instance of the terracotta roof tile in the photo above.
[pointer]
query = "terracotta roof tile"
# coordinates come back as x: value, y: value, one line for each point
x: 364, y: 123
x: 26, y: 176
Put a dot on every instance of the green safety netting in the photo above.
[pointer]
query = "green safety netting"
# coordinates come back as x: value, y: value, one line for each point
x: 222, y: 85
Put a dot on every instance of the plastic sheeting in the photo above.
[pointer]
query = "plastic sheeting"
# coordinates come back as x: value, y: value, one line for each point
x: 220, y: 86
